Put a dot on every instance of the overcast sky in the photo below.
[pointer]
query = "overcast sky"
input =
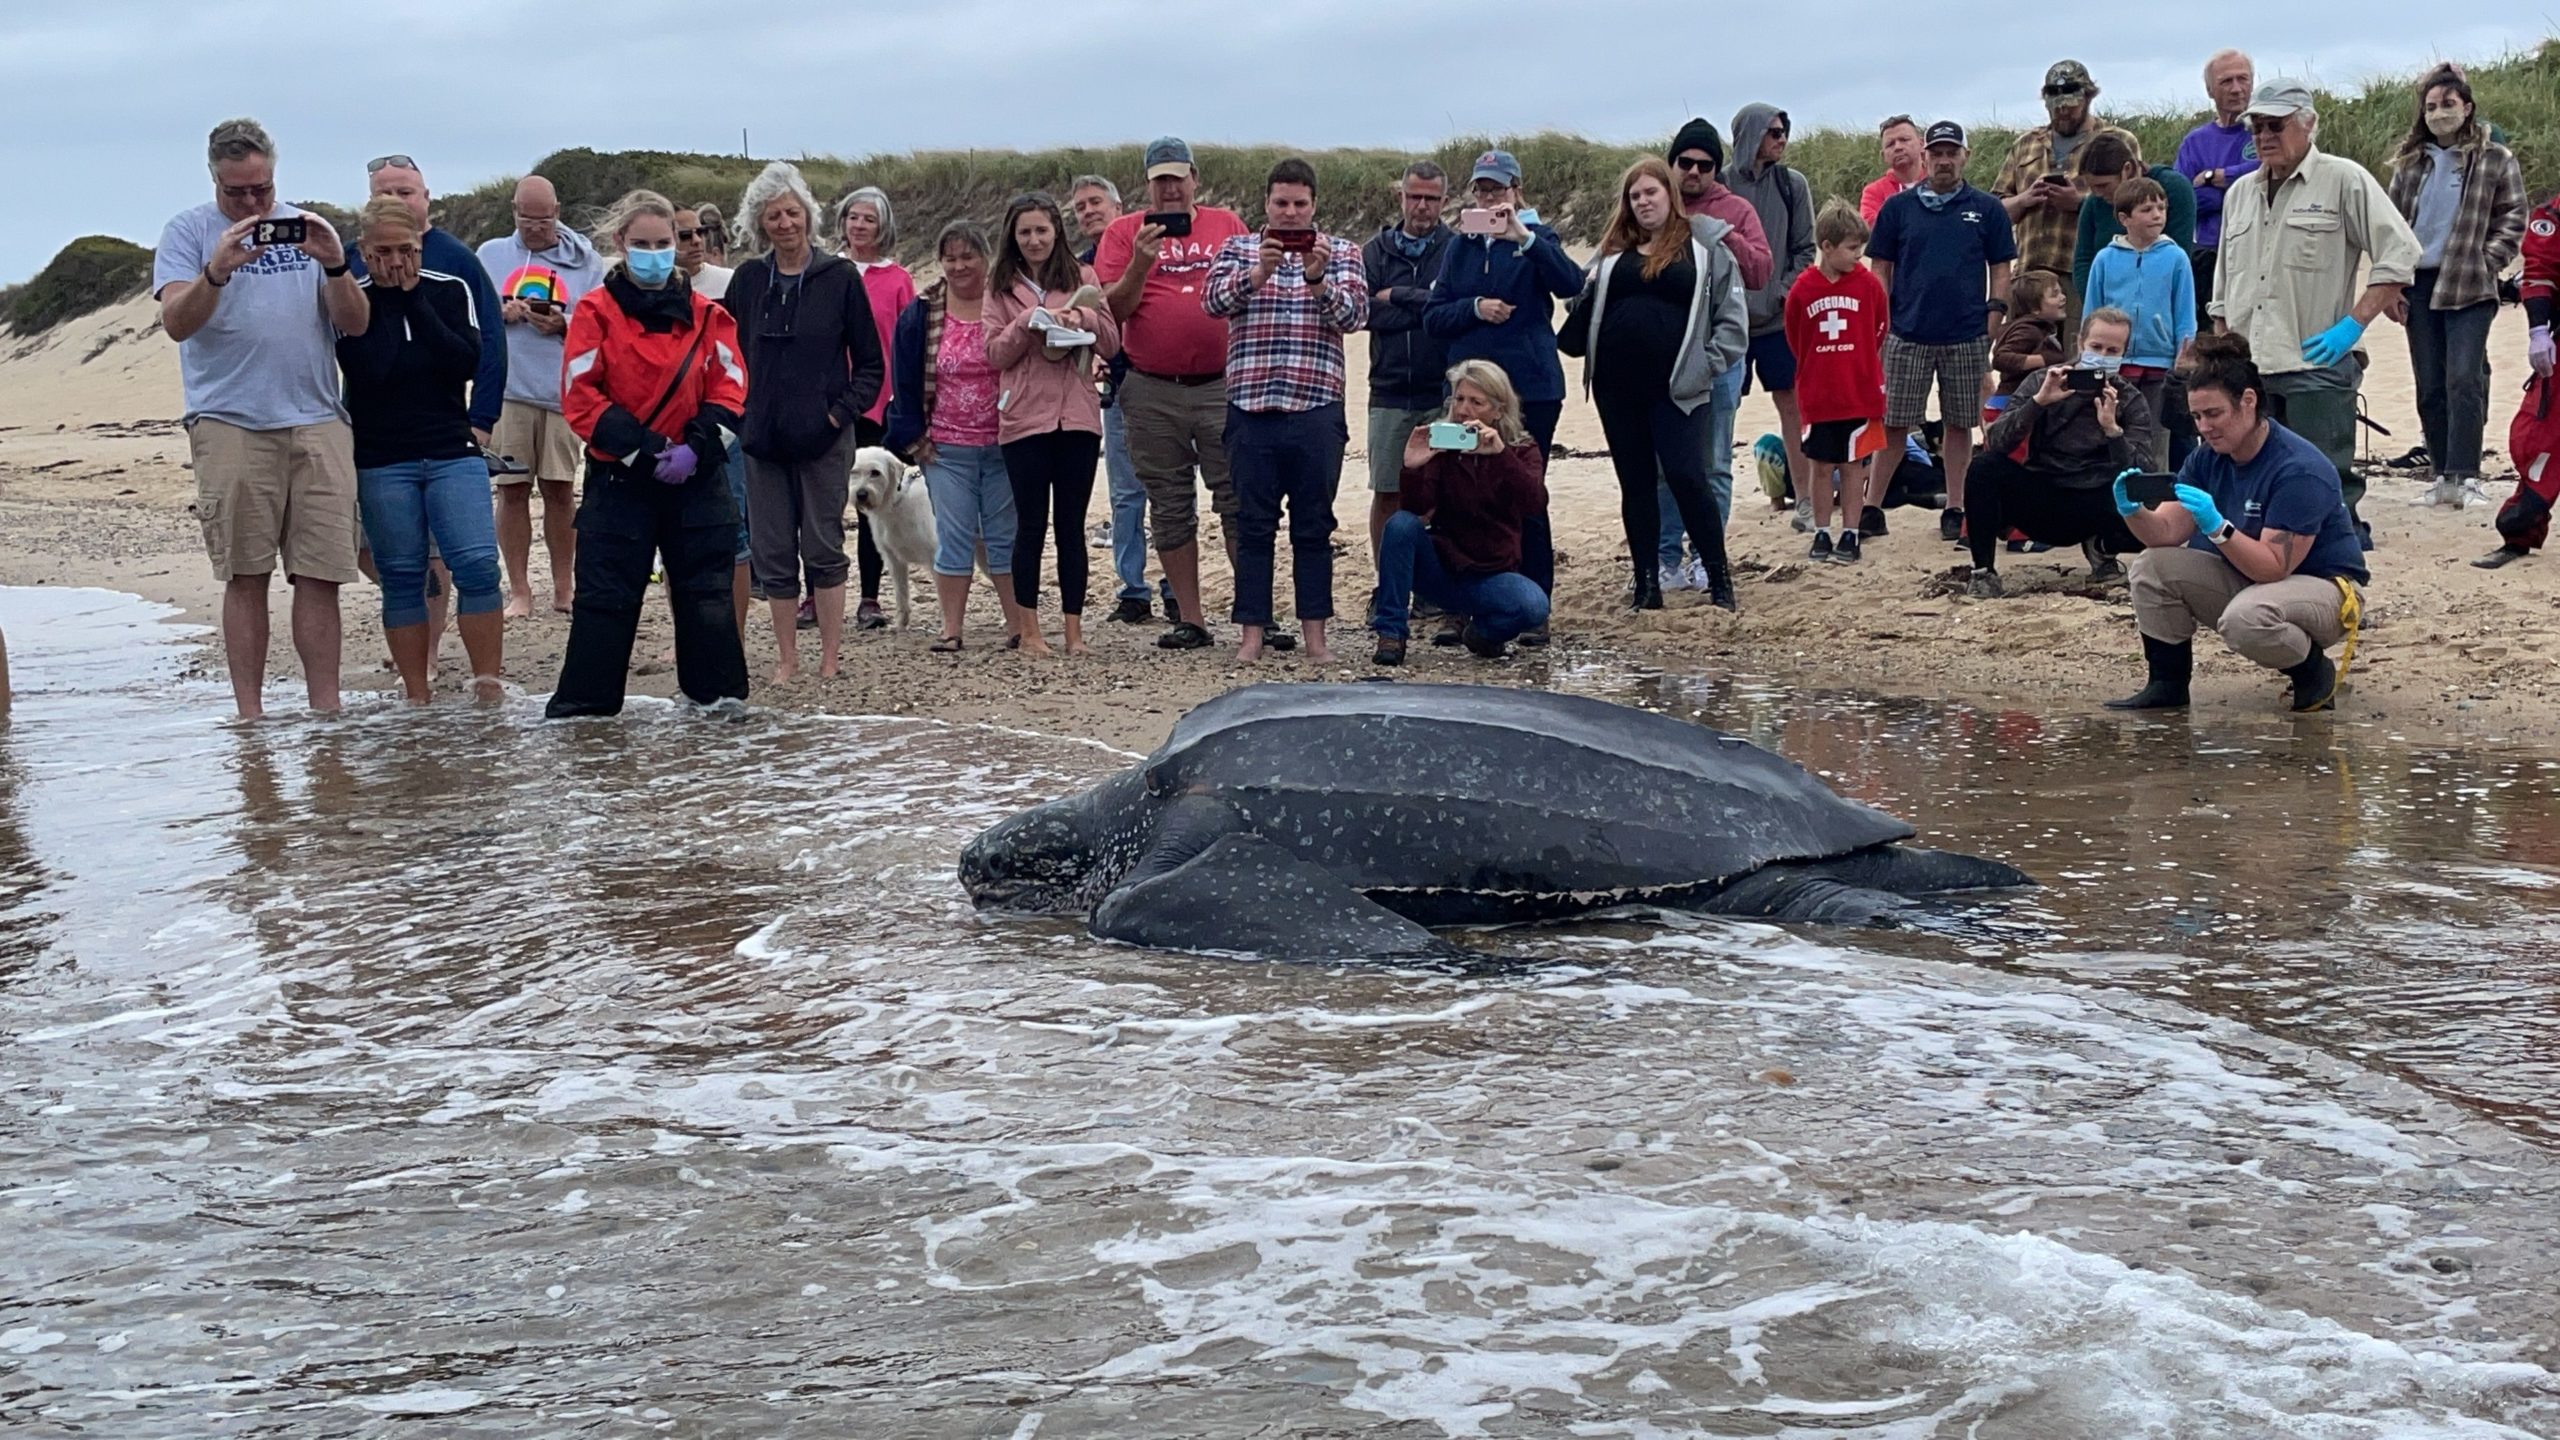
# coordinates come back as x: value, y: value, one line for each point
x: 108, y: 101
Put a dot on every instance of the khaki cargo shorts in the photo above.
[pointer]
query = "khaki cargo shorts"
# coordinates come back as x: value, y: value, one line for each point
x: 1172, y: 429
x: 539, y: 439
x: 270, y: 495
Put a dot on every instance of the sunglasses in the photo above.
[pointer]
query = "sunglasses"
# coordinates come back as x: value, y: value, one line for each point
x: 2268, y: 124
x: 376, y: 166
x: 248, y: 192
x: 2056, y: 92
x: 692, y: 234
x: 1693, y: 164
x: 1777, y: 132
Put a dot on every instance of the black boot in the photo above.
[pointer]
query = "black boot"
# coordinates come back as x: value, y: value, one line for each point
x: 1720, y: 588
x: 2172, y: 667
x: 2315, y: 682
x: 1647, y: 594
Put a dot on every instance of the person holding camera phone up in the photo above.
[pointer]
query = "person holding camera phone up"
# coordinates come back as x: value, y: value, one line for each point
x: 256, y: 293
x: 1469, y: 483
x: 1288, y: 296
x: 2082, y: 426
x: 2251, y: 537
x: 542, y: 268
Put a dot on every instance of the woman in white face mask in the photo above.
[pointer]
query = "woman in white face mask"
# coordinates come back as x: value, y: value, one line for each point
x: 2464, y: 195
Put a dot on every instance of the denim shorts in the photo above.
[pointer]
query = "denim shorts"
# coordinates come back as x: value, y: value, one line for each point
x: 972, y: 506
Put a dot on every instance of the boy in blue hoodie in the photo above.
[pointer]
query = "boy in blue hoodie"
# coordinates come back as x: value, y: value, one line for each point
x: 2149, y: 277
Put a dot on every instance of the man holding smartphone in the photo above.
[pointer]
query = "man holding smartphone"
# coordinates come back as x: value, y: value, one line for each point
x: 1406, y: 362
x: 2035, y: 186
x: 257, y: 328
x: 541, y: 270
x: 1173, y: 402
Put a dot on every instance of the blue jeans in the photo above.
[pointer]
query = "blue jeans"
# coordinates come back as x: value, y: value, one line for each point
x: 1128, y: 510
x: 1293, y: 456
x: 1719, y: 410
x: 402, y: 504
x: 1503, y: 607
x: 972, y: 507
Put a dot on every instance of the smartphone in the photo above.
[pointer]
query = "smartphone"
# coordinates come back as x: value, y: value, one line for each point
x: 1451, y: 435
x: 2081, y: 381
x: 1472, y: 221
x: 541, y: 307
x: 288, y: 231
x: 2056, y: 177
x: 1175, y: 223
x: 1294, y: 242
x: 2152, y: 490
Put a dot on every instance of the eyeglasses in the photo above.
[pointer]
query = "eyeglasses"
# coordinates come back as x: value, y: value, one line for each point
x: 388, y: 162
x: 1694, y: 164
x: 691, y: 234
x: 248, y: 192
x: 524, y: 219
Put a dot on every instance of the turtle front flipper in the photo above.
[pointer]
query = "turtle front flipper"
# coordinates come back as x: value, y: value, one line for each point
x: 1209, y: 883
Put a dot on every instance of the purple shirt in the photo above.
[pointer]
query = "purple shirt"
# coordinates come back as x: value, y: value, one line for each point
x: 2214, y: 146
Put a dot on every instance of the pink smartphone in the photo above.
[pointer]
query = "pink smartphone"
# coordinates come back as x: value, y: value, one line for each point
x: 1472, y: 221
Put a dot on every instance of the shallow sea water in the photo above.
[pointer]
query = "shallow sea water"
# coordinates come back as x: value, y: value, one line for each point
x: 455, y: 1074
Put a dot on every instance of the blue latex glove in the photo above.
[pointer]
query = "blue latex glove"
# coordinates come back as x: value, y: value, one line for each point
x: 675, y: 464
x: 2331, y: 345
x: 2126, y: 504
x: 2208, y: 517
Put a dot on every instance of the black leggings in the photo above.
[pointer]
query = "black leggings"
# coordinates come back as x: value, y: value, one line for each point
x: 2000, y: 495
x: 1061, y: 461
x: 1651, y: 440
x: 1537, y: 532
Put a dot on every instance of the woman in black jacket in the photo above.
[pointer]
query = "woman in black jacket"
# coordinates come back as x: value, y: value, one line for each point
x: 419, y: 471
x: 813, y: 349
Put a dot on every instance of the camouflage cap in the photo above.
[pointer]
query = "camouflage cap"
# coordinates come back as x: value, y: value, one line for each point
x: 2067, y: 76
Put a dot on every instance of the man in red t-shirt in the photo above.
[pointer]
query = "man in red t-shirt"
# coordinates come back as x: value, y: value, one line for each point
x: 1174, y: 402
x: 1836, y: 319
x: 1899, y: 139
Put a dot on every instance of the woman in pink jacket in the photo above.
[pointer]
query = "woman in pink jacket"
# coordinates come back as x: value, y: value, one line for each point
x: 1047, y: 328
x: 869, y: 229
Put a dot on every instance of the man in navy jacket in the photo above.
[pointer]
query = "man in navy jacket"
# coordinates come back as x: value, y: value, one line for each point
x: 1406, y: 362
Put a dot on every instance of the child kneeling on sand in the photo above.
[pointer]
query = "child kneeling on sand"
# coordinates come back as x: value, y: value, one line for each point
x: 1835, y: 319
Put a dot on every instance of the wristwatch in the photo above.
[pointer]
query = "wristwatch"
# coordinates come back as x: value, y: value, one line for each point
x: 2223, y: 535
x: 334, y: 271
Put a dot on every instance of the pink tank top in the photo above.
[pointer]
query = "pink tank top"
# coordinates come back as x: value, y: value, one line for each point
x: 964, y: 387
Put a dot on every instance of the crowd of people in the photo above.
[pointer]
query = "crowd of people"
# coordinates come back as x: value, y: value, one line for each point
x: 2161, y: 358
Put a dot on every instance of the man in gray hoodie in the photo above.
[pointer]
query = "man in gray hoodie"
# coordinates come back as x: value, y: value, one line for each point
x: 541, y: 270
x: 1759, y: 173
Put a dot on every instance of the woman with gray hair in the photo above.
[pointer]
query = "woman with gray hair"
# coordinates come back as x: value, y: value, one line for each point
x: 804, y: 320
x: 869, y: 228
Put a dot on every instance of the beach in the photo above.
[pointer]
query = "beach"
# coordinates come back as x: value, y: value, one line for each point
x: 95, y: 491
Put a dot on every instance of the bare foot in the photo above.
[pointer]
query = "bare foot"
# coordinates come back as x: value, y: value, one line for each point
x: 519, y: 607
x: 1319, y: 655
x: 1249, y: 652
x: 1036, y: 647
x: 785, y: 674
x: 829, y: 670
x: 560, y: 604
x: 1078, y: 647
x: 488, y: 689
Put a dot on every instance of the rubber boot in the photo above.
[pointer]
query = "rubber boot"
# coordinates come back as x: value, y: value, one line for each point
x: 1648, y: 589
x: 2172, y: 668
x: 2315, y: 682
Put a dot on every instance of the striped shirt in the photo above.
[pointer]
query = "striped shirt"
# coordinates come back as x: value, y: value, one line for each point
x: 1284, y: 344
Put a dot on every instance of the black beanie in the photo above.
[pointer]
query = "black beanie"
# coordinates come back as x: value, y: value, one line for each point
x: 1698, y: 134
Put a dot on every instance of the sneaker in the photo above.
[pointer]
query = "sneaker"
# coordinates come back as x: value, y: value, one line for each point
x: 2470, y: 493
x: 808, y: 615
x: 1871, y: 522
x: 1845, y: 550
x: 2102, y: 566
x: 1983, y: 585
x: 1674, y: 578
x: 1951, y: 525
x: 1694, y: 575
x: 1390, y: 650
x: 1183, y: 636
x: 2445, y: 491
x: 1275, y: 638
x: 868, y: 616
x: 1533, y: 639
x: 1133, y: 610
x: 1821, y: 546
x: 2501, y: 557
x: 1804, y: 515
x: 1451, y: 628
x: 1481, y: 645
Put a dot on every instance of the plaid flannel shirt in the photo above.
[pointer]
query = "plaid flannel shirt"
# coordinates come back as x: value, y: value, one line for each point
x: 2046, y: 238
x: 2488, y: 220
x: 1284, y: 347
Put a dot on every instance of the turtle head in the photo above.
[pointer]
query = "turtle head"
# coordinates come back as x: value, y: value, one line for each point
x: 1055, y: 859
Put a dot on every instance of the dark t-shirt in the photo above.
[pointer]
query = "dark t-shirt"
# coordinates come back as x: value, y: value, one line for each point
x: 1643, y: 322
x: 2289, y: 486
x: 1941, y: 261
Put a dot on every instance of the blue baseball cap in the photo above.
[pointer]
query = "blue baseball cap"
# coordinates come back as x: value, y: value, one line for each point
x: 1167, y: 155
x: 1497, y: 166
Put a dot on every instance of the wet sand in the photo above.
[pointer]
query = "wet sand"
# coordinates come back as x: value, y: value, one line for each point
x: 94, y: 490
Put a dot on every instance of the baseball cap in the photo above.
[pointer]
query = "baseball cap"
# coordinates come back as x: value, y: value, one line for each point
x: 1497, y: 166
x: 2279, y: 97
x: 2066, y: 77
x: 1945, y: 132
x: 1167, y: 155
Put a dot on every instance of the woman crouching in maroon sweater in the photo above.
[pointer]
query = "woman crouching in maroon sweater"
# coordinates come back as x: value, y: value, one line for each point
x: 1457, y: 541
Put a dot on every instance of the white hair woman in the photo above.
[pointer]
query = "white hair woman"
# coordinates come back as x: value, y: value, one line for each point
x: 652, y: 378
x: 869, y: 229
x: 1465, y: 496
x: 419, y: 471
x: 813, y: 347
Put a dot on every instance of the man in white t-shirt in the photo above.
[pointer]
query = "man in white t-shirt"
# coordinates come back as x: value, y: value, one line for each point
x: 256, y: 293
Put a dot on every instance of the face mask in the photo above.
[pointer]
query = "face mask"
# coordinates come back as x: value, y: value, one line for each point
x: 2443, y: 123
x: 2109, y: 364
x: 650, y: 268
x: 1528, y: 215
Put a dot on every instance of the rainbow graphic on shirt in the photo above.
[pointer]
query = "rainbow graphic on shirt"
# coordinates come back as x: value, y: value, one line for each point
x: 533, y: 282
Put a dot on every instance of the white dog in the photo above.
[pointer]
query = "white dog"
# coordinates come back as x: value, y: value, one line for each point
x: 891, y: 492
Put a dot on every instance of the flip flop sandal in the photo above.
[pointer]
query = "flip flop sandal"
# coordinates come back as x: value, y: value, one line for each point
x: 945, y: 647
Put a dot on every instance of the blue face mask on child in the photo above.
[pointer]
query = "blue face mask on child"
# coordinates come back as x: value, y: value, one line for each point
x: 2105, y: 364
x: 650, y: 268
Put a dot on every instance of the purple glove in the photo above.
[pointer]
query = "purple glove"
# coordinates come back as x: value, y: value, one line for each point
x: 675, y: 464
x: 2539, y: 349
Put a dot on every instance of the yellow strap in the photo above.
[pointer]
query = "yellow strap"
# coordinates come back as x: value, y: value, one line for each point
x: 2351, y: 620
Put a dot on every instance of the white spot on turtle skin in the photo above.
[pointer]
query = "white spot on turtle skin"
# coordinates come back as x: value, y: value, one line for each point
x: 421, y: 1402
x: 28, y: 1339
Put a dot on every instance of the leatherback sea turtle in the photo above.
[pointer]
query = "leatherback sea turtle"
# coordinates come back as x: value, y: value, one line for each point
x: 1307, y: 822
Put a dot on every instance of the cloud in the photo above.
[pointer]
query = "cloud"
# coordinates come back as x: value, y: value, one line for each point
x: 110, y: 102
